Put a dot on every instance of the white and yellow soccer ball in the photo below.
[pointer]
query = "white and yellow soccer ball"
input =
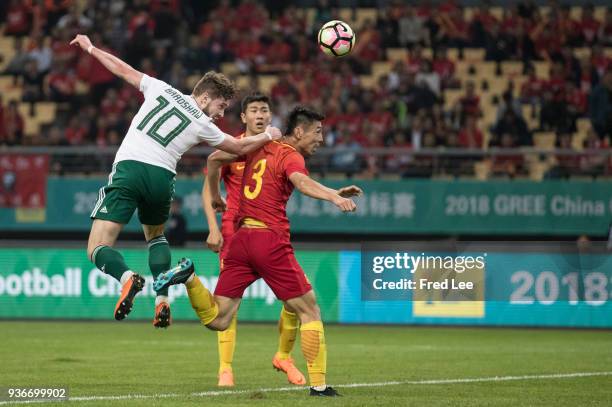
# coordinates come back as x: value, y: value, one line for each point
x: 336, y: 38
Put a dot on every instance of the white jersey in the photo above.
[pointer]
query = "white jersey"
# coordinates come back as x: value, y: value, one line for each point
x: 167, y: 125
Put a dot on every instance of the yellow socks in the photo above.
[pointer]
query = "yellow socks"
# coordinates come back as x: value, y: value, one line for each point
x: 202, y: 301
x: 314, y: 350
x: 287, y: 331
x: 227, y: 343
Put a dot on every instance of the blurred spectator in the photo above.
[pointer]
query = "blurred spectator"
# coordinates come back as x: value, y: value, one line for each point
x: 32, y: 85
x: 468, y: 104
x: 412, y: 29
x: 605, y: 31
x: 499, y: 46
x: 600, y: 105
x: 40, y: 52
x: 369, y: 47
x: 13, y: 125
x: 430, y: 78
x: 470, y: 135
x: 566, y: 164
x: 165, y: 22
x: 76, y: 131
x: 589, y: 26
x: 17, y: 63
x: 74, y: 22
x: 482, y: 25
x: 445, y: 67
x: 507, y: 164
x: 511, y: 125
x: 61, y: 84
x: 509, y: 102
x: 17, y: 19
x: 92, y: 72
x: 554, y: 114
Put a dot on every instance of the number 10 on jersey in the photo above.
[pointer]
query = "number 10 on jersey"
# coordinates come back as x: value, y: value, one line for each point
x: 154, y: 130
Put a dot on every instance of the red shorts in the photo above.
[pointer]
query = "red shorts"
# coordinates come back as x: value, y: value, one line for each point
x: 227, y: 231
x: 261, y: 253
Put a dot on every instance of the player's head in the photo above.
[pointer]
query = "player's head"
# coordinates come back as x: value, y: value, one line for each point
x: 305, y: 130
x: 213, y: 93
x: 255, y: 112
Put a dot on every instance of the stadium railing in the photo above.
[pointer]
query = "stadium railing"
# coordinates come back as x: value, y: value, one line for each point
x: 533, y: 163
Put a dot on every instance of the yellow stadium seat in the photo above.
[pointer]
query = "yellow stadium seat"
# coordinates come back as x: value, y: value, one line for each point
x: 451, y: 96
x: 474, y: 54
x: 12, y: 94
x: 453, y: 54
x: 544, y: 140
x: 512, y: 68
x: 229, y: 68
x: 192, y: 80
x: 537, y: 170
x: 45, y: 111
x: 482, y: 170
x: 581, y: 53
x: 368, y: 81
x: 542, y: 69
x: 266, y: 82
x: 381, y: 68
x: 364, y: 14
x: 397, y: 54
x: 311, y: 14
x: 485, y: 70
x: 498, y: 12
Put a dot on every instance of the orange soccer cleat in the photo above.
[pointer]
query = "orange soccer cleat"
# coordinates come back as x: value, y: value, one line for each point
x: 163, y: 318
x: 132, y: 287
x: 226, y: 378
x: 294, y: 376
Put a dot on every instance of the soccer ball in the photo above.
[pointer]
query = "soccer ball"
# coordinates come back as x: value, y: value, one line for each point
x: 336, y: 38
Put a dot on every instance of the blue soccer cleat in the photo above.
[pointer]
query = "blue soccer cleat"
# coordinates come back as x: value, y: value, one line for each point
x: 176, y: 275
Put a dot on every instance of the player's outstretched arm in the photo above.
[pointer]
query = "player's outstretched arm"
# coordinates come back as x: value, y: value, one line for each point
x: 214, y: 241
x: 313, y: 189
x: 213, y: 167
x: 111, y: 62
x: 246, y: 145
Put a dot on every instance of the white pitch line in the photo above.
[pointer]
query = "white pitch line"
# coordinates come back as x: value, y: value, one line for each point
x: 213, y: 393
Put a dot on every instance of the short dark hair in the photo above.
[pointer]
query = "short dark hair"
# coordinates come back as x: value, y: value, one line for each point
x: 301, y: 115
x: 216, y: 84
x: 252, y: 98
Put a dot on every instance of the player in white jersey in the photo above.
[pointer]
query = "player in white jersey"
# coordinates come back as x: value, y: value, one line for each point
x: 167, y: 125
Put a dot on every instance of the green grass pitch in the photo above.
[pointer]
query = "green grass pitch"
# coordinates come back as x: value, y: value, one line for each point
x: 107, y: 359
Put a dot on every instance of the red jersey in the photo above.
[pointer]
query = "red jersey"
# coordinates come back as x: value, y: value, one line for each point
x: 231, y: 175
x: 266, y: 187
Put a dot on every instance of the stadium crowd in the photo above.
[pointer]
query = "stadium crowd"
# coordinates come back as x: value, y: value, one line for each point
x: 175, y: 39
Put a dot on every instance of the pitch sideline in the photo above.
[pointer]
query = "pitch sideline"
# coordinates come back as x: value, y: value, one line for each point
x: 213, y: 393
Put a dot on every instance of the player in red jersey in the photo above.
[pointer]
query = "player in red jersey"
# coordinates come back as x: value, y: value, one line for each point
x: 256, y: 115
x: 261, y: 246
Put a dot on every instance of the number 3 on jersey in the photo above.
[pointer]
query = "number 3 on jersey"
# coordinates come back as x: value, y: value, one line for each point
x: 258, y: 170
x: 153, y: 132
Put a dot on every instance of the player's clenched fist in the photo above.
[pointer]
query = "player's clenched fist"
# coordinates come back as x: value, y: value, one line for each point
x: 274, y: 132
x: 82, y: 41
x: 214, y: 240
x: 218, y: 203
x: 345, y: 204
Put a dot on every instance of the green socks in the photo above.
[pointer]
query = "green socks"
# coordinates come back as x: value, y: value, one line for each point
x: 159, y: 258
x: 110, y: 261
